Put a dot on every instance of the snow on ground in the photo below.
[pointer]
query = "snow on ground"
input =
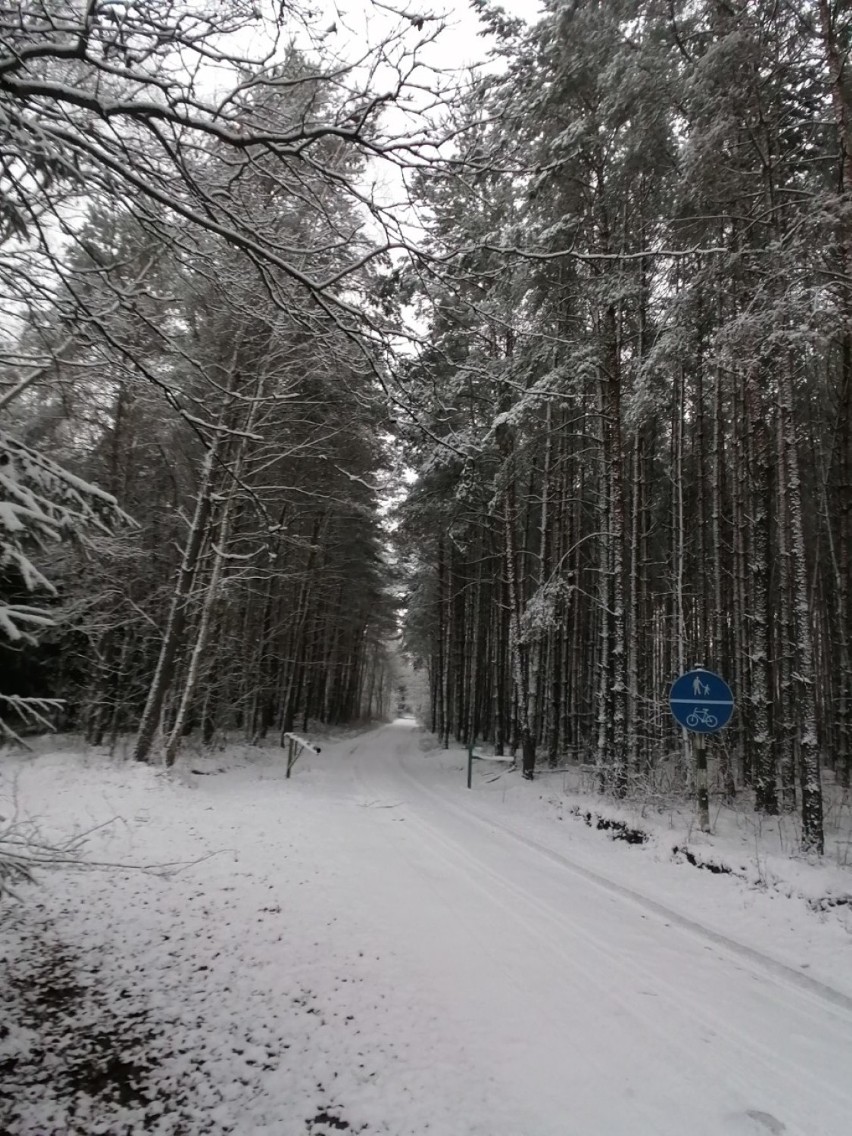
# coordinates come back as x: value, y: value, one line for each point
x: 369, y: 947
x: 762, y: 850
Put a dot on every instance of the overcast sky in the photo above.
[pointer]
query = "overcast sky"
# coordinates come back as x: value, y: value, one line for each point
x: 359, y: 22
x: 461, y: 43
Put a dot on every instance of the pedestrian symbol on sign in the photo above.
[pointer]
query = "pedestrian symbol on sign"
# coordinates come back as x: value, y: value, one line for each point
x: 699, y: 688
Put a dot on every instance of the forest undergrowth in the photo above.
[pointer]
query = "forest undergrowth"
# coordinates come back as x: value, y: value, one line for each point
x: 658, y: 813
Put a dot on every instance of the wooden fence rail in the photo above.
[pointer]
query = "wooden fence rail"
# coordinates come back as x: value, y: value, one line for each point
x: 295, y: 747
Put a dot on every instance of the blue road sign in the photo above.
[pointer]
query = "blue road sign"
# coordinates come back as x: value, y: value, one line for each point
x: 701, y: 701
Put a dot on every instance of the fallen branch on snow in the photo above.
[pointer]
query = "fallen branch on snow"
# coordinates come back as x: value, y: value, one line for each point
x: 23, y: 854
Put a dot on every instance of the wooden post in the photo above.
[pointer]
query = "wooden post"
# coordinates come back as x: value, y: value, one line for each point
x: 295, y: 745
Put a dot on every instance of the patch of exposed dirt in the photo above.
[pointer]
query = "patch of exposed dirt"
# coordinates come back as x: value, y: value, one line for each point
x: 706, y: 865
x: 77, y: 1058
x: 620, y: 830
x: 616, y: 829
x: 64, y: 1049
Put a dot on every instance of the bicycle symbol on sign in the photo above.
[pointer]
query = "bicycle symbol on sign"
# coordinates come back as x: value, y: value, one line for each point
x: 701, y: 716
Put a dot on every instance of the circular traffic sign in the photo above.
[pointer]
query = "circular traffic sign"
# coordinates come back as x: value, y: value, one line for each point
x: 701, y: 701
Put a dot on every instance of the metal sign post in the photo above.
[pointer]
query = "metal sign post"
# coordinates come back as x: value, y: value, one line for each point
x: 702, y: 793
x: 703, y: 703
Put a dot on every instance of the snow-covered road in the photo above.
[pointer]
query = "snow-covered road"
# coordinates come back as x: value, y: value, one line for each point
x: 584, y: 1010
x: 400, y: 956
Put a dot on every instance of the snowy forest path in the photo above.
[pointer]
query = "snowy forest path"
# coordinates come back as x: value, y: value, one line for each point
x: 573, y: 990
x: 466, y: 807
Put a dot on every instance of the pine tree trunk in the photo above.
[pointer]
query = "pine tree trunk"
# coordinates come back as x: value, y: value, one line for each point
x: 785, y: 717
x: 718, y: 651
x: 763, y: 759
x: 518, y: 648
x: 813, y: 839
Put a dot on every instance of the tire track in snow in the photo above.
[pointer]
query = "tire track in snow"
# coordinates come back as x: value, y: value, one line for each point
x: 781, y: 972
x: 433, y: 845
x: 812, y: 997
x: 673, y: 995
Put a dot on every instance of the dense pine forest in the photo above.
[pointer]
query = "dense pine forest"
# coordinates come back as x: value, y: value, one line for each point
x: 637, y: 390
x: 546, y: 367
